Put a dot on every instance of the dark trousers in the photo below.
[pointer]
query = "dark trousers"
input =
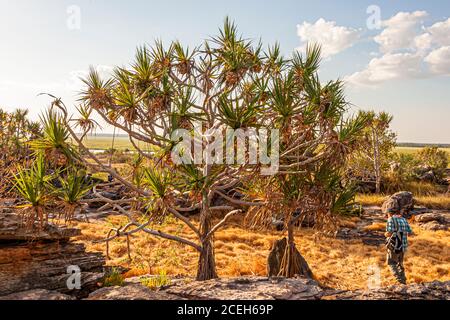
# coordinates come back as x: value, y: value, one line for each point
x: 395, y: 262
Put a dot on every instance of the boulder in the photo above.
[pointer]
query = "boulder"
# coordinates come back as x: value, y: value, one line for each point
x: 433, y: 221
x: 433, y: 226
x: 428, y: 176
x: 439, y: 217
x: 402, y: 202
x: 106, y: 194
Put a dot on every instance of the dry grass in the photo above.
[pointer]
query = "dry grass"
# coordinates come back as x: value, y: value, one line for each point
x: 433, y: 202
x: 379, y: 226
x: 336, y: 263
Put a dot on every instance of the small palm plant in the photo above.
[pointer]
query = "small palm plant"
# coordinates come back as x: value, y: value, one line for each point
x: 32, y: 185
x: 73, y: 187
x: 54, y: 141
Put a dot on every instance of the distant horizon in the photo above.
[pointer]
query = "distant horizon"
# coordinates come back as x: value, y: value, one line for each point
x: 399, y: 143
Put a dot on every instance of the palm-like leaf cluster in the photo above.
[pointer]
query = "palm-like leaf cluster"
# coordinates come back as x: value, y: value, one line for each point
x: 32, y: 185
x: 54, y: 142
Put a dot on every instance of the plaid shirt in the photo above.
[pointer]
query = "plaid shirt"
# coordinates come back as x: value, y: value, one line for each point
x: 403, y: 226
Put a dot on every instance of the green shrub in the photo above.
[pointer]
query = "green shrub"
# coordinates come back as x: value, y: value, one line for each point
x: 158, y: 281
x: 114, y: 278
x: 434, y: 158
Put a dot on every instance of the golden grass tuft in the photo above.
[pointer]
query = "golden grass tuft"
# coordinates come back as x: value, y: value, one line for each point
x: 378, y: 226
x: 440, y: 201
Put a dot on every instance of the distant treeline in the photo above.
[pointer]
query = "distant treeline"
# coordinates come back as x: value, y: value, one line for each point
x: 106, y: 135
x: 400, y: 144
x: 423, y: 145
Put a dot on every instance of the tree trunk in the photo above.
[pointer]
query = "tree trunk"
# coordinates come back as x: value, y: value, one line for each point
x: 293, y: 262
x: 376, y: 162
x: 206, y: 264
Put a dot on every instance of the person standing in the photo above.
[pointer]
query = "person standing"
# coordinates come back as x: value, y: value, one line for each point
x: 397, y: 231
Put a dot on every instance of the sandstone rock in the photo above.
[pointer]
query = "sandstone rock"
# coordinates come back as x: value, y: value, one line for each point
x: 435, y: 290
x: 433, y: 226
x: 249, y: 288
x: 40, y: 260
x: 440, y: 217
x: 44, y: 265
x: 433, y: 221
x: 130, y: 291
x: 12, y: 228
x: 428, y: 176
x: 402, y: 202
x: 38, y: 294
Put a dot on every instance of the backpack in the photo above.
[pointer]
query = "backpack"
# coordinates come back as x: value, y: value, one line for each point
x: 395, y: 241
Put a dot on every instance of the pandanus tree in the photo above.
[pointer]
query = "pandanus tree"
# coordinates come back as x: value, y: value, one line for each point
x: 188, y: 103
x: 315, y: 142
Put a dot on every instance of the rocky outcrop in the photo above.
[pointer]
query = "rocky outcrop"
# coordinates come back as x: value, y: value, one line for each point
x: 262, y: 288
x: 435, y: 290
x: 38, y: 294
x: 401, y: 202
x: 130, y: 291
x: 40, y: 259
x: 248, y: 288
x: 12, y: 229
x: 436, y: 220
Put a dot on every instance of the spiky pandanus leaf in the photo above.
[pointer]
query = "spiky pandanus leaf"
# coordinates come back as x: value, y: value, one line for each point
x: 72, y: 187
x: 54, y: 143
x: 32, y: 185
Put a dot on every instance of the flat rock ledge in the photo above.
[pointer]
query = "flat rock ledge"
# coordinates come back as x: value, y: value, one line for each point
x: 262, y: 288
x: 40, y: 260
x: 249, y: 288
x: 130, y: 291
x: 435, y: 290
x: 12, y: 229
x: 37, y: 294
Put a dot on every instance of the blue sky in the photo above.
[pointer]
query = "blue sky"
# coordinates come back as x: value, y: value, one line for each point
x: 402, y: 68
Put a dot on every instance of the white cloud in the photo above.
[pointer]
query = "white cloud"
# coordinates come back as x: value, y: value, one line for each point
x: 423, y: 42
x: 439, y: 60
x: 400, y: 31
x: 440, y: 32
x: 407, y: 51
x: 436, y: 35
x: 333, y: 38
x: 390, y: 66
